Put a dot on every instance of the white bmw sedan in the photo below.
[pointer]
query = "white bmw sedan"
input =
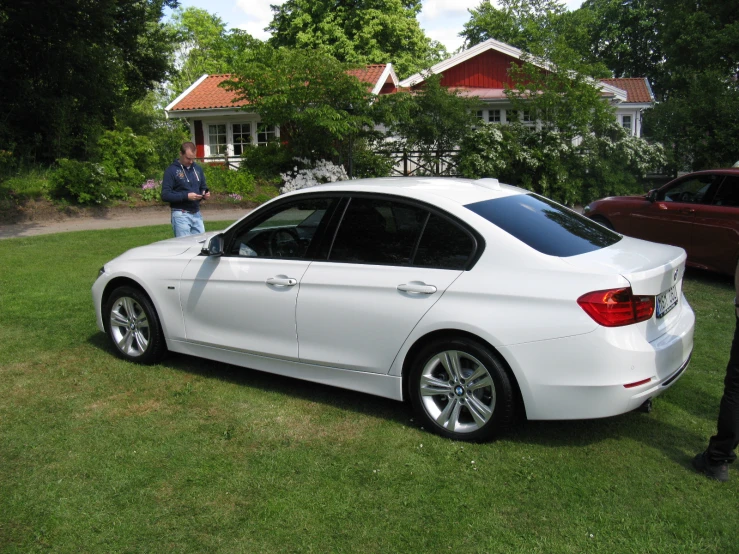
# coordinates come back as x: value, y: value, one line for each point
x: 473, y: 299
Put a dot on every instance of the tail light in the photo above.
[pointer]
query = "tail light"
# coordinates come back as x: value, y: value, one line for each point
x: 617, y: 307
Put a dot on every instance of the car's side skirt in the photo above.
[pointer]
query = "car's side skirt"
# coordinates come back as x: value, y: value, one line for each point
x: 387, y: 386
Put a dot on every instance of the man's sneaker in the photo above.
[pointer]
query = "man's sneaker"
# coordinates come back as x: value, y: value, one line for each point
x: 720, y: 472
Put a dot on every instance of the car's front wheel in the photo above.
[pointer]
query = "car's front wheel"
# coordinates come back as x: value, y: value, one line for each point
x: 133, y: 326
x: 461, y: 390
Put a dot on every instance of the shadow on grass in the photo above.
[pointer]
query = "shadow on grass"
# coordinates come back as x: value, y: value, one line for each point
x: 672, y: 440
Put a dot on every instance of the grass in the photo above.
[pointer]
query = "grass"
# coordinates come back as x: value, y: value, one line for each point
x: 99, y: 455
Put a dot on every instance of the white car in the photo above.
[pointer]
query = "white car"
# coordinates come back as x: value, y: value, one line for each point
x: 473, y: 299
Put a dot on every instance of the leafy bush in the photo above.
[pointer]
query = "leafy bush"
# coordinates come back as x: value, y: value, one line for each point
x: 220, y: 179
x: 131, y: 155
x: 267, y: 162
x: 368, y: 162
x: 86, y: 182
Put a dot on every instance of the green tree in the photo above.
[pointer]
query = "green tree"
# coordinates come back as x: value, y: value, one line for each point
x: 625, y: 35
x: 690, y: 53
x: 319, y: 108
x: 205, y: 46
x: 358, y: 32
x: 68, y: 66
x: 430, y: 120
x: 525, y: 24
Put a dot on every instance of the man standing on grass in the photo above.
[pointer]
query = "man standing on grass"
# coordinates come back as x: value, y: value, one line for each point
x: 714, y: 461
x: 184, y: 187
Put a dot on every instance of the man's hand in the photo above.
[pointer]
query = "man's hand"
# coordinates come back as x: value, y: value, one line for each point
x: 194, y: 196
x: 206, y: 195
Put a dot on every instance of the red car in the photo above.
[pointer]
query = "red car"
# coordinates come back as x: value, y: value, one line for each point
x: 698, y: 212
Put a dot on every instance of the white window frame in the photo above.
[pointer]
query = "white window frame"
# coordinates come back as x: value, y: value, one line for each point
x: 630, y: 128
x: 253, y: 124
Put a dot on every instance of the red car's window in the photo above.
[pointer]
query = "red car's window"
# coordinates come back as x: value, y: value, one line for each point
x: 728, y: 192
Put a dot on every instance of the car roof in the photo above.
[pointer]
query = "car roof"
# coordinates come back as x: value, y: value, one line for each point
x: 719, y: 171
x: 431, y: 189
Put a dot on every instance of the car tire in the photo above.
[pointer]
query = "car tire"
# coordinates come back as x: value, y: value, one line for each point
x: 461, y: 390
x: 133, y: 327
x: 603, y: 221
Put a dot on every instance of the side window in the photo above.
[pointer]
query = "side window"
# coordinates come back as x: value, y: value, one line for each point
x: 374, y: 231
x: 444, y: 245
x: 285, y: 233
x: 693, y: 190
x: 728, y: 193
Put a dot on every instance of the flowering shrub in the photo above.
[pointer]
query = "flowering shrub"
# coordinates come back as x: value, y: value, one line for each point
x: 150, y: 190
x: 236, y: 198
x: 323, y: 171
x: 607, y: 163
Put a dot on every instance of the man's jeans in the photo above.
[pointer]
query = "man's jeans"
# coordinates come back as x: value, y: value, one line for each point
x: 186, y: 223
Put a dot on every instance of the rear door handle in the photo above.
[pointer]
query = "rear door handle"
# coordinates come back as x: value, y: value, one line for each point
x: 416, y: 287
x: 282, y: 281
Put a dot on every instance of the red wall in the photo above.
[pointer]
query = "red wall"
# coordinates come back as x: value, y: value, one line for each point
x: 487, y: 70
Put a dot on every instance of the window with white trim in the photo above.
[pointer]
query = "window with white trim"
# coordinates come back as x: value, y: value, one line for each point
x: 241, y: 137
x: 626, y: 123
x: 217, y: 139
x: 265, y: 134
x: 481, y: 115
x: 494, y: 116
x: 527, y: 118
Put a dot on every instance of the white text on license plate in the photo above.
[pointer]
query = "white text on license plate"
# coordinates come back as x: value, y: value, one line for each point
x: 666, y: 301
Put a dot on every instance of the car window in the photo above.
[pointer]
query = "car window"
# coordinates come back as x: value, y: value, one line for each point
x: 728, y: 192
x: 376, y: 231
x: 444, y: 245
x: 286, y: 232
x: 545, y: 225
x: 692, y: 190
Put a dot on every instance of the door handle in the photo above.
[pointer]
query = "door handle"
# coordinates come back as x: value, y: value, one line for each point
x: 417, y: 288
x: 687, y: 211
x: 282, y: 281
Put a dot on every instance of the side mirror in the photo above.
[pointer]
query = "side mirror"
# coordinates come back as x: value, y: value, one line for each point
x: 214, y: 246
x: 652, y: 195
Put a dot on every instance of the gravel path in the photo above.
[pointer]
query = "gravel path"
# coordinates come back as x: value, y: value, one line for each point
x: 113, y: 220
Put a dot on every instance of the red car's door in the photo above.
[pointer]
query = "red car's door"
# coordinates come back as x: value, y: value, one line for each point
x: 716, y: 230
x: 671, y: 218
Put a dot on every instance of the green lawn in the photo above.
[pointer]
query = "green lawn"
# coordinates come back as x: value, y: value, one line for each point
x: 99, y: 455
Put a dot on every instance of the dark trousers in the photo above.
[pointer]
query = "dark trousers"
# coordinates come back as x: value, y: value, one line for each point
x: 722, y: 445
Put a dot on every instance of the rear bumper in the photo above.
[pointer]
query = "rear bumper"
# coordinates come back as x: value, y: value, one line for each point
x: 584, y: 377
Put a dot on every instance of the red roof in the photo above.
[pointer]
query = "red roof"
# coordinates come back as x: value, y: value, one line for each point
x: 370, y: 74
x: 637, y: 89
x: 206, y: 94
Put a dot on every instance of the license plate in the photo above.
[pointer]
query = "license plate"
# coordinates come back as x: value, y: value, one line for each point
x: 666, y: 301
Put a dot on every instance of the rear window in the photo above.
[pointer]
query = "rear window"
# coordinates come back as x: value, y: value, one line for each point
x: 545, y: 225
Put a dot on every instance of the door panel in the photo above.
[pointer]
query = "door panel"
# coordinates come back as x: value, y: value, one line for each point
x: 242, y: 303
x: 354, y: 316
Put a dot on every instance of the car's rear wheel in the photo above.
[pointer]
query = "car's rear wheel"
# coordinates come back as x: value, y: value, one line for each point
x: 133, y: 326
x: 461, y: 390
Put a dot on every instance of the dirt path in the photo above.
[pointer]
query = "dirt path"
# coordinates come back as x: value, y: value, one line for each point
x: 113, y: 220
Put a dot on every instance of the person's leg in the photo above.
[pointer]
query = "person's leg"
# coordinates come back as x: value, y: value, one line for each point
x: 196, y: 224
x: 722, y: 446
x: 180, y: 223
